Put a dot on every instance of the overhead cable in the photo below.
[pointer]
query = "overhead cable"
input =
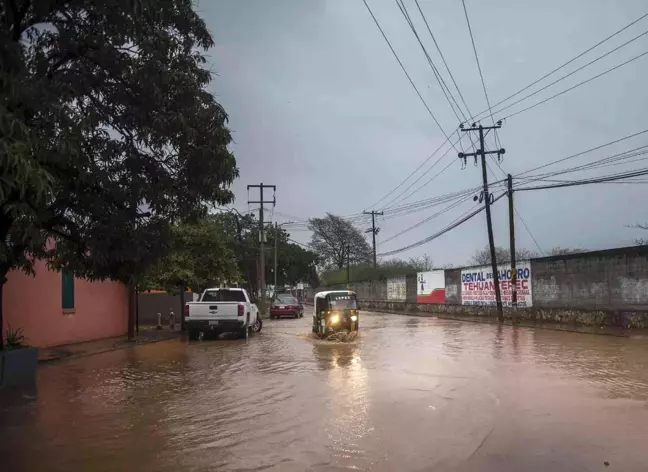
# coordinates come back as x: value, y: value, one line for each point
x: 440, y: 233
x: 444, y: 87
x: 427, y: 25
x: 565, y: 64
x: 608, y: 178
x: 405, y: 70
x: 575, y: 86
x: 526, y: 97
x: 431, y: 217
x: 481, y: 75
x: 583, y: 152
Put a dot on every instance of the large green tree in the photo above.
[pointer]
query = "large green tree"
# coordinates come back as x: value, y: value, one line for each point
x: 107, y: 132
x: 336, y: 241
x: 199, y: 257
x: 294, y: 263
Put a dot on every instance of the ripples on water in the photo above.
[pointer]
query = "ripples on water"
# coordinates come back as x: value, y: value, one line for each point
x: 408, y: 392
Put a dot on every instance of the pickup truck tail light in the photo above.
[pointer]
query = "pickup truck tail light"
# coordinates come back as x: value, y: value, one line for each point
x: 241, y: 309
x: 186, y: 309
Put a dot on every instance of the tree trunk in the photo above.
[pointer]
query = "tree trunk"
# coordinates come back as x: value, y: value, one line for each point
x: 3, y: 279
x: 137, y: 292
x: 182, y: 305
x: 131, y: 310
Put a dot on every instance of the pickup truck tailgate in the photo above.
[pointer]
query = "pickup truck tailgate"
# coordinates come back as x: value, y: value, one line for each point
x: 214, y: 310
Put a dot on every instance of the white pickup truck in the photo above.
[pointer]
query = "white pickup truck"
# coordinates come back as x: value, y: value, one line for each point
x: 222, y: 310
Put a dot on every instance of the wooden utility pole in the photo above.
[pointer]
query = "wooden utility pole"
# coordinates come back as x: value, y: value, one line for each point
x: 509, y: 181
x: 261, y: 201
x: 374, y: 231
x: 491, y: 241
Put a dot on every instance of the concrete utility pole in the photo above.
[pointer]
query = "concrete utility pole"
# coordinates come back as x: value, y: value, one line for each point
x: 261, y: 201
x: 348, y: 261
x: 482, y: 152
x: 276, y: 237
x: 276, y: 242
x: 509, y: 181
x: 374, y: 231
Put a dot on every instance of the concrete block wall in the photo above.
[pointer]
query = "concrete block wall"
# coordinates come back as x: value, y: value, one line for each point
x: 411, y: 288
x: 453, y: 286
x: 152, y: 303
x: 615, y: 279
x: 607, y: 287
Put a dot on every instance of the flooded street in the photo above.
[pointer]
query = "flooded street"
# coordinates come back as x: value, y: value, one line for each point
x: 409, y: 393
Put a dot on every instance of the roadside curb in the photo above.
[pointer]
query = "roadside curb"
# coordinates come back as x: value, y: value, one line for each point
x: 125, y: 345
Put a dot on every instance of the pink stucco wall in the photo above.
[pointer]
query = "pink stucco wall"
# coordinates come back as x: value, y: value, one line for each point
x: 34, y: 304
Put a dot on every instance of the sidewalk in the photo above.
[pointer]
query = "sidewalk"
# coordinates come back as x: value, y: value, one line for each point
x: 146, y: 335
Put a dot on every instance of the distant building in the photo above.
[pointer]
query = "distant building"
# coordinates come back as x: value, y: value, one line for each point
x: 55, y: 308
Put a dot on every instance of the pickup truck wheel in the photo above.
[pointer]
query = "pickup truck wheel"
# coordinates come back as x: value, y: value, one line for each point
x: 193, y: 335
x: 256, y: 327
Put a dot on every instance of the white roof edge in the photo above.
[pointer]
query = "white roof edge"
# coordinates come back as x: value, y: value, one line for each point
x: 323, y: 294
x: 224, y: 288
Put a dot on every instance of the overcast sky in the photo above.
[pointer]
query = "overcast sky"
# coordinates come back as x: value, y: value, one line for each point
x: 319, y: 107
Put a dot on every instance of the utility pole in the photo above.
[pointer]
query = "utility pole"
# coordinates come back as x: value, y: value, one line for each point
x: 509, y: 181
x: 491, y: 241
x: 348, y: 261
x: 261, y: 201
x: 276, y: 237
x: 374, y: 231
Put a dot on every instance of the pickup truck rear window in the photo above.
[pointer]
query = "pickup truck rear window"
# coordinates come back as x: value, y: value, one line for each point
x: 223, y: 296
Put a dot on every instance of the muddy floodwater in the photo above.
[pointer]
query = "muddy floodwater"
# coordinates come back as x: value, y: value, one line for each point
x: 408, y: 394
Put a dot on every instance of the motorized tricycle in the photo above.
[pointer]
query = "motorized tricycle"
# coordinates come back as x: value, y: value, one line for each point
x: 335, y: 311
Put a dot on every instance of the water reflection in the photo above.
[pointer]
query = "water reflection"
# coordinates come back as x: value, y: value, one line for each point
x: 498, y: 341
x: 347, y: 410
x: 407, y: 394
x: 411, y: 325
x: 453, y: 339
x: 617, y: 365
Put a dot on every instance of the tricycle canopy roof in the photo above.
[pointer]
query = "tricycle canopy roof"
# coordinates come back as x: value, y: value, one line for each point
x: 325, y: 294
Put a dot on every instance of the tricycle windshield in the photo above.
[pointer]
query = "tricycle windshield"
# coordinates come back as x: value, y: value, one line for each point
x: 342, y: 301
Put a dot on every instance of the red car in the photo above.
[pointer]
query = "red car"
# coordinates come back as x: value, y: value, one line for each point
x: 286, y: 305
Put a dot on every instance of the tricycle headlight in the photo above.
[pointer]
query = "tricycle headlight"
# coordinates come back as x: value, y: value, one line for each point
x: 354, y: 318
x: 335, y: 319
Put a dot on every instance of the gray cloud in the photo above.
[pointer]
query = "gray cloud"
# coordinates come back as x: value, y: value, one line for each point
x: 320, y: 108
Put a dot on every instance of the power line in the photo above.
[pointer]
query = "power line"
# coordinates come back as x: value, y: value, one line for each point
x: 444, y: 87
x: 297, y: 242
x: 440, y: 233
x: 591, y: 180
x: 405, y: 70
x: 528, y: 231
x: 565, y: 64
x: 427, y: 182
x: 481, y: 75
x: 442, y: 57
x: 583, y: 152
x: 614, y: 160
x: 428, y: 203
x: 575, y: 86
x: 605, y: 179
x: 608, y: 178
x: 429, y: 218
x: 396, y: 199
x: 416, y: 170
x: 510, y: 105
